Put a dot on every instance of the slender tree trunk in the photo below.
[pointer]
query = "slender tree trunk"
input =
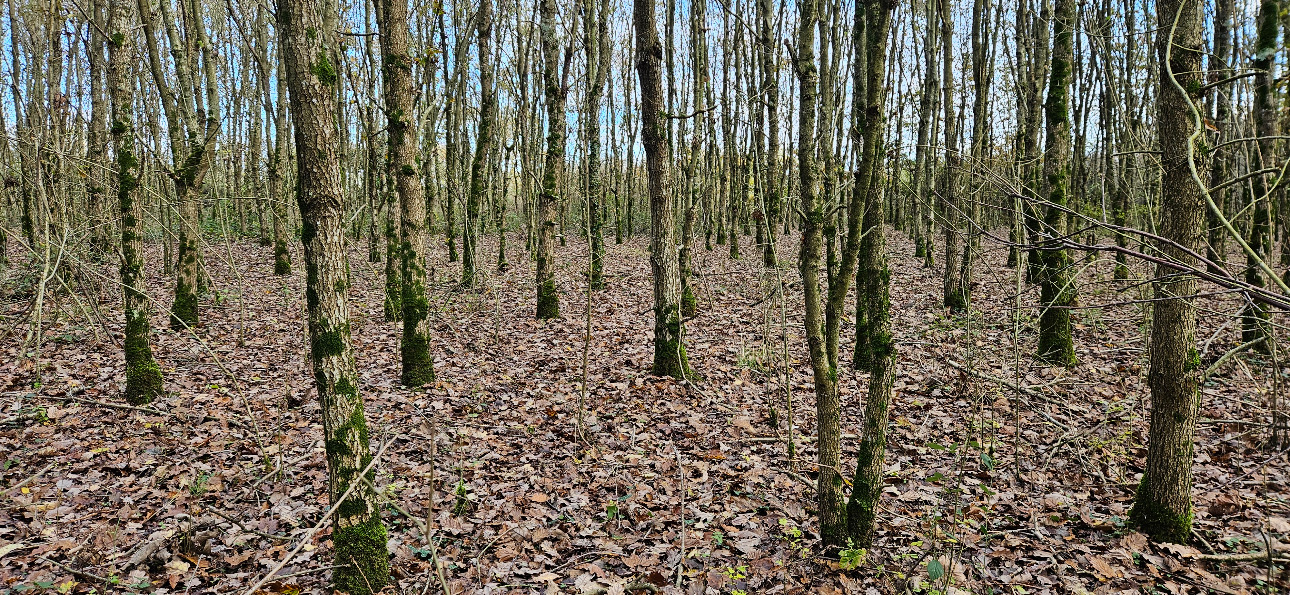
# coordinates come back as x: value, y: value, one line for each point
x: 824, y: 368
x: 952, y: 288
x: 278, y: 198
x: 596, y: 41
x: 1220, y: 114
x: 401, y: 135
x: 1057, y: 282
x: 981, y: 80
x: 483, y: 142
x: 548, y: 299
x: 768, y: 53
x: 142, y: 375
x: 874, y: 282
x: 96, y: 144
x: 669, y: 347
x: 1255, y: 323
x: 1163, y: 507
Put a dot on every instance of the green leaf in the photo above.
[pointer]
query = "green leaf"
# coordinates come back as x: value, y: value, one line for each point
x: 988, y: 461
x: 935, y: 570
x: 935, y: 446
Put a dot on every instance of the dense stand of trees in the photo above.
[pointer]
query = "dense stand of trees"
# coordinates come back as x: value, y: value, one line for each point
x: 1146, y: 130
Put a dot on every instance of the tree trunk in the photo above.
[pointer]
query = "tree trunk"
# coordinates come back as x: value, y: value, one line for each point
x: 1220, y: 113
x: 952, y: 288
x: 1162, y: 507
x: 401, y: 131
x: 1057, y: 282
x: 548, y: 299
x: 142, y: 375
x: 596, y: 42
x: 879, y: 349
x: 483, y: 143
x: 362, y: 564
x: 669, y: 348
x: 1255, y: 323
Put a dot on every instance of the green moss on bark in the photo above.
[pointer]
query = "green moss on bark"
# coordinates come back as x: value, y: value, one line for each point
x: 183, y: 312
x: 670, y: 358
x: 362, y: 560
x: 1157, y: 520
x: 142, y: 374
x: 548, y: 301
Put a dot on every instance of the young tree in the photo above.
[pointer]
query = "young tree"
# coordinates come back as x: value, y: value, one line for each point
x: 483, y: 142
x: 401, y: 131
x: 874, y: 281
x: 1219, y: 113
x: 1255, y: 323
x: 1057, y: 283
x: 548, y: 298
x: 142, y: 375
x: 191, y: 106
x: 952, y: 288
x: 1162, y: 507
x: 769, y: 188
x: 598, y: 48
x: 669, y: 349
x: 307, y: 46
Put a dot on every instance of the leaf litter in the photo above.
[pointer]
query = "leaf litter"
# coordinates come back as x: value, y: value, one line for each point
x: 1003, y: 475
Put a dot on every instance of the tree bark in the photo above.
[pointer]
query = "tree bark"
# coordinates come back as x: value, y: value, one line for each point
x: 669, y: 347
x: 142, y: 374
x: 304, y: 30
x: 483, y: 143
x: 401, y: 136
x: 874, y: 281
x: 548, y: 299
x: 1057, y: 283
x: 1162, y: 507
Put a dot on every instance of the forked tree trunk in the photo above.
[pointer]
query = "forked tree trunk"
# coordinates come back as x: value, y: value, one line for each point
x: 1162, y: 507
x: 879, y: 349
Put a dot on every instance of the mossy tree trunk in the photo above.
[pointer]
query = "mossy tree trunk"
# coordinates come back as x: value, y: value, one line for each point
x: 597, y: 43
x: 874, y: 284
x: 548, y: 299
x: 1057, y: 282
x: 823, y: 309
x: 483, y: 143
x: 191, y: 106
x: 401, y: 135
x: 1162, y: 507
x: 142, y: 375
x: 359, y: 536
x: 669, y: 348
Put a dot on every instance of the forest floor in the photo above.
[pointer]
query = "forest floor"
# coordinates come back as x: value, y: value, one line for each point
x: 997, y: 489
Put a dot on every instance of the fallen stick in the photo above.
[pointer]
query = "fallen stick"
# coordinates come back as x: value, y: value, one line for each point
x: 29, y: 479
x: 85, y: 575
